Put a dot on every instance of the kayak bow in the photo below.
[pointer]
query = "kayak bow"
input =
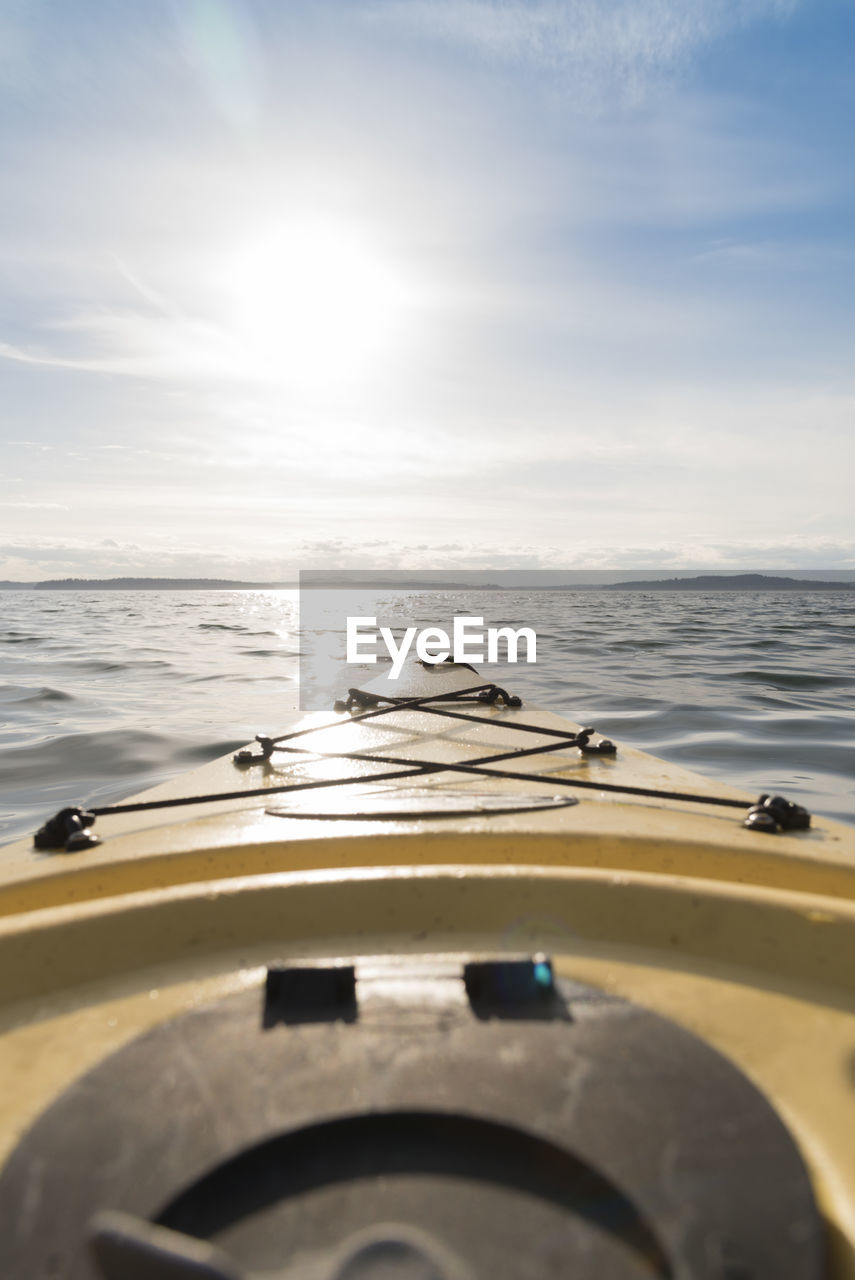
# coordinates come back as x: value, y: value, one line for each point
x: 435, y: 980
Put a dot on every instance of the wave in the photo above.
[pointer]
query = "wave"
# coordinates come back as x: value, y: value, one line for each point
x: 44, y: 693
x: 102, y: 767
x: 787, y: 679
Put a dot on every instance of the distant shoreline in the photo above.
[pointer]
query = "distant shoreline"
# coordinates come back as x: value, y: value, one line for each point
x: 335, y: 582
x: 738, y: 582
x: 145, y: 584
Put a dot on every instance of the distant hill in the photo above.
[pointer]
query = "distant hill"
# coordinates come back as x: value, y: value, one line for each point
x: 143, y: 584
x: 732, y: 582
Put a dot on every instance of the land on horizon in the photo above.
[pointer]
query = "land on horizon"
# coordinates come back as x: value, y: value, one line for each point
x: 735, y: 582
x: 144, y: 584
x: 331, y: 580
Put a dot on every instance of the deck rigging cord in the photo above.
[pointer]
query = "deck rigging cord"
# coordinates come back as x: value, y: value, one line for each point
x: 70, y: 829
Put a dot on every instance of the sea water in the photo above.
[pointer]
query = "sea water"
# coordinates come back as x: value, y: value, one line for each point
x: 103, y: 693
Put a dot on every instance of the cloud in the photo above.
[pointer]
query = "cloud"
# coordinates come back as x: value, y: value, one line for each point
x: 138, y: 345
x: 585, y: 551
x: 591, y: 42
x: 36, y: 558
x: 582, y: 548
x: 36, y: 506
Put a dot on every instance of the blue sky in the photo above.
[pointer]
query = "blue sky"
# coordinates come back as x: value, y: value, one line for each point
x: 430, y: 283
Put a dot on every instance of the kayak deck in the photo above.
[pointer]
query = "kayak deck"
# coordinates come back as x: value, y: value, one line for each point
x: 317, y: 806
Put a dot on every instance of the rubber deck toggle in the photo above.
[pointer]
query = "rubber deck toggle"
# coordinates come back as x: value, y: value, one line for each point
x: 68, y: 831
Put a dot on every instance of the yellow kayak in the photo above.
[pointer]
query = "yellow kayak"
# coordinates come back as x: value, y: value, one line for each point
x: 431, y: 985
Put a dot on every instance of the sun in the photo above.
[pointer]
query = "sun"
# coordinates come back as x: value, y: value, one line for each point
x: 313, y: 300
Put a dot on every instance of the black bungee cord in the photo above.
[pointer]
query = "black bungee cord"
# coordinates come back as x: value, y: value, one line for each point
x: 70, y: 829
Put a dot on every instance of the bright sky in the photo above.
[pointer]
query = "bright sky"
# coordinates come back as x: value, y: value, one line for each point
x: 429, y: 283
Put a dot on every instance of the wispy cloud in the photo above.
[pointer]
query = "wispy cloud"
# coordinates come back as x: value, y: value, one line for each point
x: 131, y: 343
x: 35, y: 506
x: 591, y: 43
